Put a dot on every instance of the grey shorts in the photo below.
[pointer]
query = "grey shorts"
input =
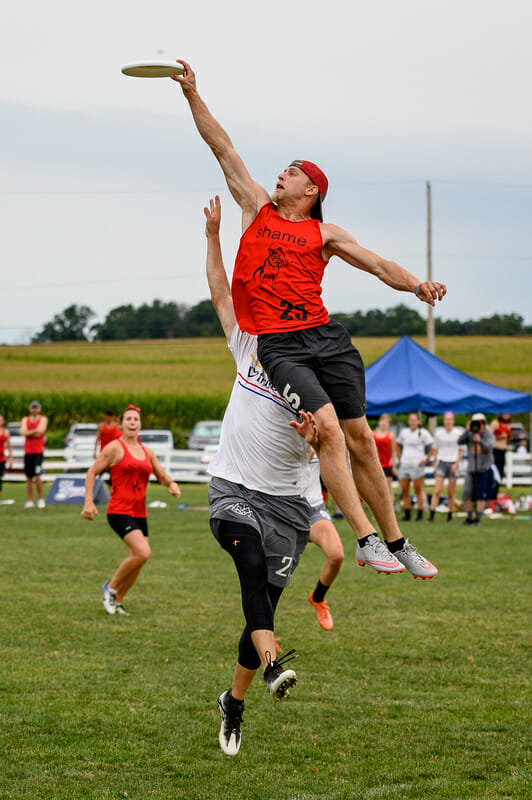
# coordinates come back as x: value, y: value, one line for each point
x: 443, y: 470
x: 410, y: 472
x: 283, y: 523
x: 319, y: 513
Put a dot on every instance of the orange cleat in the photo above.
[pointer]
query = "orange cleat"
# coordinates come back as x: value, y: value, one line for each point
x: 322, y: 612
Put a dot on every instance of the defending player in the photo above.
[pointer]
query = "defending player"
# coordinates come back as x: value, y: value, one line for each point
x: 325, y: 536
x: 276, y: 291
x: 257, y: 512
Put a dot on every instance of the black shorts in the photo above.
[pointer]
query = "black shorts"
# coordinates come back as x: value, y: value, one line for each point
x: 2, y: 470
x: 32, y: 464
x: 316, y: 366
x: 388, y: 471
x: 123, y: 524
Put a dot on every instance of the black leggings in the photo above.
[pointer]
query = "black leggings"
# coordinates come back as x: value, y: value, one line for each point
x: 259, y: 598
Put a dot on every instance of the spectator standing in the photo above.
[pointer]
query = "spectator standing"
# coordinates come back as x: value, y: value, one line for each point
x: 5, y: 442
x: 108, y: 431
x: 449, y: 456
x: 480, y: 443
x: 386, y: 449
x: 412, y: 442
x: 33, y: 428
x: 500, y: 427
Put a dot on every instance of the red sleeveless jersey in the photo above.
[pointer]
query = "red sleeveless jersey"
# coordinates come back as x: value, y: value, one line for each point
x: 34, y: 444
x: 2, y: 445
x: 129, y: 480
x: 109, y: 434
x: 384, y: 448
x: 277, y: 277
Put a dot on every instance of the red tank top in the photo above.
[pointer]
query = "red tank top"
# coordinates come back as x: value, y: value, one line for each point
x: 109, y: 434
x: 33, y: 444
x: 2, y: 445
x: 384, y: 448
x: 503, y: 430
x: 129, y: 479
x: 277, y: 277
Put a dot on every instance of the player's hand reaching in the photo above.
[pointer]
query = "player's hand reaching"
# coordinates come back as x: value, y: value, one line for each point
x: 213, y: 216
x: 307, y: 429
x: 430, y: 291
x: 187, y: 79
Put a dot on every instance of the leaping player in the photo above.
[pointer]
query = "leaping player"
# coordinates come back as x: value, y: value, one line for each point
x: 309, y: 358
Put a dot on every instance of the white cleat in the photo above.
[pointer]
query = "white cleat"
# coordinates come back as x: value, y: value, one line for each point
x: 415, y: 563
x: 109, y: 598
x: 231, y: 711
x: 376, y: 555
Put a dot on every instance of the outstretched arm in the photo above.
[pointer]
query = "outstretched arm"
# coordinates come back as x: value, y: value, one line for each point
x: 248, y: 194
x: 162, y: 476
x: 338, y: 242
x: 216, y: 274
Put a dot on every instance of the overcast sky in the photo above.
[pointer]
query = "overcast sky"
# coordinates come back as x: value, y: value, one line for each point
x: 104, y: 177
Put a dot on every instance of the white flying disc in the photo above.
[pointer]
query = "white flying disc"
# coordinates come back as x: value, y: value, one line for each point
x: 152, y: 69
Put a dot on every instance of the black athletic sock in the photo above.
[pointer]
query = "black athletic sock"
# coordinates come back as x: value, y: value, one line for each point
x: 432, y: 513
x: 407, y: 514
x: 319, y: 592
x: 449, y: 516
x: 365, y: 539
x: 232, y: 701
x: 470, y: 515
x: 393, y: 547
x: 419, y: 514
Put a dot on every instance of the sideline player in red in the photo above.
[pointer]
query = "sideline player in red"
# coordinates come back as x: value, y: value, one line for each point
x: 386, y: 449
x: 33, y: 428
x: 130, y: 465
x: 108, y: 431
x: 5, y: 442
x: 276, y: 291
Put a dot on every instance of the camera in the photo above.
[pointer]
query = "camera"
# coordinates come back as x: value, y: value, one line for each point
x: 476, y: 426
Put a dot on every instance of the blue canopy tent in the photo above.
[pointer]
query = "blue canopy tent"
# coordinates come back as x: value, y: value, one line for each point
x: 409, y: 378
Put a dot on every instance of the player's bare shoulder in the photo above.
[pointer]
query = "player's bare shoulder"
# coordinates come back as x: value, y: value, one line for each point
x: 333, y: 237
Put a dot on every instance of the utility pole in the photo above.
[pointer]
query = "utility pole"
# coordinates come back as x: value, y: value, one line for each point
x: 431, y: 339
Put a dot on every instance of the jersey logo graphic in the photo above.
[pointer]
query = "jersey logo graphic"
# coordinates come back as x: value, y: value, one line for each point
x: 242, y: 509
x: 236, y: 541
x: 272, y: 265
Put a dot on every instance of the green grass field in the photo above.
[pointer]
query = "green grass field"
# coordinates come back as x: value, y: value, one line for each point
x: 421, y: 690
x: 182, y: 366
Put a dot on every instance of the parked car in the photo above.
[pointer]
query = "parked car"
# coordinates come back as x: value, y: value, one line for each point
x: 160, y: 440
x: 519, y: 436
x: 82, y: 433
x: 205, y: 435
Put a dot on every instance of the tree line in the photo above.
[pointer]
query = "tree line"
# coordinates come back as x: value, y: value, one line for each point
x: 160, y: 320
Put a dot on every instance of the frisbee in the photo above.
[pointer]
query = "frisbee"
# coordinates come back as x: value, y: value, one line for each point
x: 152, y: 69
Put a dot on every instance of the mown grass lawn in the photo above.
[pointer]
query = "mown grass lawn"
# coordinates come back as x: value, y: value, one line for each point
x: 421, y: 690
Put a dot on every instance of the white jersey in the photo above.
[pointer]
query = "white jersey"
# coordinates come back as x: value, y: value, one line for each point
x: 258, y: 448
x: 413, y: 445
x: 447, y: 444
x: 312, y: 492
